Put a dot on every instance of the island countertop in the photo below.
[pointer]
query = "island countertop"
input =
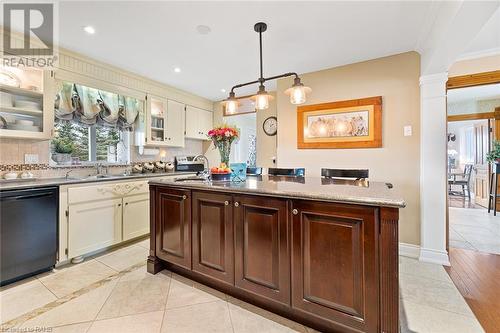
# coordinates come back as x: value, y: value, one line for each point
x: 309, y: 188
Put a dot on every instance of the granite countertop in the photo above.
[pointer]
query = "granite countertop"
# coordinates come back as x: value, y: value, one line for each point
x: 310, y: 188
x: 42, y: 182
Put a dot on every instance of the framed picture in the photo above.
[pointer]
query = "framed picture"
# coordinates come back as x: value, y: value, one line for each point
x: 354, y: 123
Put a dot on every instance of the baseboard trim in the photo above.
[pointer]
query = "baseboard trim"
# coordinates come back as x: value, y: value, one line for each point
x: 409, y: 250
x: 434, y: 257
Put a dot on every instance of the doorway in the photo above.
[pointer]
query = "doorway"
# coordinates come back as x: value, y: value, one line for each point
x: 471, y: 131
x: 244, y: 150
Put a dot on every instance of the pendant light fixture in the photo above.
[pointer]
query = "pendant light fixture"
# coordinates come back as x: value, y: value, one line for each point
x: 297, y: 91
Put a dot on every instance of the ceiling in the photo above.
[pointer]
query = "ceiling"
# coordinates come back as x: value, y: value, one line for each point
x: 488, y: 38
x: 153, y: 38
x: 478, y: 93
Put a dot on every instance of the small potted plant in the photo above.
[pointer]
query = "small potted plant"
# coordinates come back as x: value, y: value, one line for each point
x: 494, y: 156
x: 63, y: 148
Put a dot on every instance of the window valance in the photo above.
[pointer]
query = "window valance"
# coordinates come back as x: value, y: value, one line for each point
x: 91, y: 106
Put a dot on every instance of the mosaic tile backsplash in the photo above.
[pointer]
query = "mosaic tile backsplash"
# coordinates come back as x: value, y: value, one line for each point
x: 12, y: 153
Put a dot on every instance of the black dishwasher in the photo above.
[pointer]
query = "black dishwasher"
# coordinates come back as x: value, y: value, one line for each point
x: 28, y: 232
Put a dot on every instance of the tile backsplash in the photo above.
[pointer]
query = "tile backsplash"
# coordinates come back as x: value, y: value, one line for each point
x: 12, y: 153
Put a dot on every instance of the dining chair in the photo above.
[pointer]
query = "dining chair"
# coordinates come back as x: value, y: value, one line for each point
x: 464, y: 181
x: 254, y: 171
x: 294, y: 172
x: 345, y: 173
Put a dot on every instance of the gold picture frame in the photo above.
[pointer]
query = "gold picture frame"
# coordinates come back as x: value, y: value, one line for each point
x: 353, y: 123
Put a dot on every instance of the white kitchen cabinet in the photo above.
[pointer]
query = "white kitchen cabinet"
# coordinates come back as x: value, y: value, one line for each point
x: 94, y: 225
x: 165, y: 121
x: 26, y: 103
x: 198, y: 123
x: 176, y: 120
x: 135, y: 216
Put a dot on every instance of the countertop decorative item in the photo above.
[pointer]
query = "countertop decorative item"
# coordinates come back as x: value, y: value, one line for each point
x: 169, y: 167
x: 222, y: 137
x: 137, y: 168
x: 270, y: 126
x: 148, y: 167
x: 354, y: 123
x: 63, y: 148
x: 10, y: 175
x: 26, y: 175
x: 159, y: 166
x: 297, y: 91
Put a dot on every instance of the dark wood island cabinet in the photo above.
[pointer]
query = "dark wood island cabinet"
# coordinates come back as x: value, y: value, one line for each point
x: 320, y: 253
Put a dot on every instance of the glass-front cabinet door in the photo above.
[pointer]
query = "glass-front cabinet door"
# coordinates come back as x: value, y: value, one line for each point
x: 156, y: 121
x: 26, y: 103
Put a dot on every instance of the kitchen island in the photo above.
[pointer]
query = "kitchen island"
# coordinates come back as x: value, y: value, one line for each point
x: 322, y: 252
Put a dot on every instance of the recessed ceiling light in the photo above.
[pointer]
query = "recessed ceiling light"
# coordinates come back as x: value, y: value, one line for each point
x: 203, y: 29
x: 223, y: 90
x: 89, y: 29
x: 177, y: 70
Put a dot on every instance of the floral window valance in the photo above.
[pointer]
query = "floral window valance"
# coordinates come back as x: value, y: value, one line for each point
x: 91, y: 106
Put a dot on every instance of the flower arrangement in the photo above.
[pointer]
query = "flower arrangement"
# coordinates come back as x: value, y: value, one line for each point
x: 222, y: 137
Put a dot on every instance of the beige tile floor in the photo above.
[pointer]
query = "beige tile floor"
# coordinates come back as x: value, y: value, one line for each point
x: 474, y: 229
x: 114, y: 293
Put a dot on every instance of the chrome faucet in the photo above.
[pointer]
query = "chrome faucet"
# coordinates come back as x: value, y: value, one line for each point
x: 206, y: 164
x: 99, y: 167
x: 67, y: 173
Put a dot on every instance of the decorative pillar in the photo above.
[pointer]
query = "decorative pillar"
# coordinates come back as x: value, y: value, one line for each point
x: 433, y: 177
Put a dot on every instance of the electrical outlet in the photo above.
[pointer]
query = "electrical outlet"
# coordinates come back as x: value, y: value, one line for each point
x: 30, y: 158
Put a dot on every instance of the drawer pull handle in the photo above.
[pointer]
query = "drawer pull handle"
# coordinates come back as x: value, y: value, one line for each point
x: 226, y: 203
x: 295, y: 212
x: 184, y: 197
x: 236, y: 204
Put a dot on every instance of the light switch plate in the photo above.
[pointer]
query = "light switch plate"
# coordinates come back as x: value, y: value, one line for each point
x: 30, y: 158
x: 407, y: 130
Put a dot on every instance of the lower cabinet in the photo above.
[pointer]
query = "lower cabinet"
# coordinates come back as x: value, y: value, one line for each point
x: 212, y: 241
x: 94, y: 225
x: 335, y: 263
x: 262, y: 259
x: 135, y: 216
x: 173, y: 226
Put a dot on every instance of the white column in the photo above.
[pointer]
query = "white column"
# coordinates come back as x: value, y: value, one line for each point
x: 433, y: 177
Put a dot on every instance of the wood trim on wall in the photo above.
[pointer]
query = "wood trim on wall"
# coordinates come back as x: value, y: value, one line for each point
x: 473, y: 80
x: 471, y: 116
x: 377, y: 118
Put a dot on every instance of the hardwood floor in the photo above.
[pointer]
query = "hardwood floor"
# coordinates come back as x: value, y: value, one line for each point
x: 477, y: 277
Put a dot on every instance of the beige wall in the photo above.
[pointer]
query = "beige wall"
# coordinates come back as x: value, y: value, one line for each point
x: 396, y: 79
x: 474, y: 66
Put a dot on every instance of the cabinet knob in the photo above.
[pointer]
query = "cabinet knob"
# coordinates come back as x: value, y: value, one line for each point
x: 236, y: 204
x: 126, y: 203
x: 119, y: 205
x: 226, y: 203
x: 184, y: 197
x: 295, y: 212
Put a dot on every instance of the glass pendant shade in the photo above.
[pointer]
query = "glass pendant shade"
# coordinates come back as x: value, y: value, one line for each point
x: 231, y: 104
x: 298, y: 92
x: 262, y: 99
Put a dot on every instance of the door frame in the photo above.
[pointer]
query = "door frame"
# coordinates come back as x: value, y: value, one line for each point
x: 464, y: 81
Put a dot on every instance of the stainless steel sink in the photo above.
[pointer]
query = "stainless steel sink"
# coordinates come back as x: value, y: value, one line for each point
x: 98, y: 177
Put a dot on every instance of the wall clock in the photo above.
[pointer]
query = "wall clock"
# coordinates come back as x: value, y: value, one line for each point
x: 270, y: 126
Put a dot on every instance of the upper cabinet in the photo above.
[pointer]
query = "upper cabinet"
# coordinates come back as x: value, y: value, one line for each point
x: 165, y: 122
x: 198, y: 123
x: 26, y: 103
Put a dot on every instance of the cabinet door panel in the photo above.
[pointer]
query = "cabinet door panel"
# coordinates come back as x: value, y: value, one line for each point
x: 213, y: 236
x: 334, y: 260
x: 173, y: 225
x: 192, y: 122
x: 94, y: 225
x: 175, y: 124
x: 262, y: 264
x: 135, y: 216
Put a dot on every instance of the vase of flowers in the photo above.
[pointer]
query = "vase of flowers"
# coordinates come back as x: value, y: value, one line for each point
x: 222, y: 137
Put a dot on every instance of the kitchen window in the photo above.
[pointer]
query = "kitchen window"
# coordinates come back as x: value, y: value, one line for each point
x: 94, y: 143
